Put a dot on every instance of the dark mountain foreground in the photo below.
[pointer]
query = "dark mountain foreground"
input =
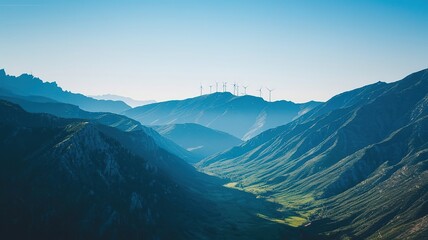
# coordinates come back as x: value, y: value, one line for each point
x: 37, y: 104
x: 71, y: 178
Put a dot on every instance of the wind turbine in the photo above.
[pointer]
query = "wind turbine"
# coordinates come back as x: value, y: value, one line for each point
x: 237, y: 90
x: 211, y: 87
x: 234, y: 88
x: 270, y: 94
x: 216, y: 86
x: 225, y: 87
x: 260, y: 92
x: 245, y: 90
x: 201, y: 89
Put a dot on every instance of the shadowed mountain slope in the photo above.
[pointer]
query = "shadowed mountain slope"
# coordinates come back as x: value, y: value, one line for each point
x: 355, y: 166
x: 200, y: 140
x: 44, y: 105
x: 68, y: 178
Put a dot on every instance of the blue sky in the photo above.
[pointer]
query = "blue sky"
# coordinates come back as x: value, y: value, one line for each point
x: 305, y: 50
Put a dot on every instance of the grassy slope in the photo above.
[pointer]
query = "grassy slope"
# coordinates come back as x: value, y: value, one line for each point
x: 318, y: 167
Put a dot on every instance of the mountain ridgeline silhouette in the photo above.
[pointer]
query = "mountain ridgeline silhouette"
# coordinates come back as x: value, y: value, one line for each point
x: 131, y: 102
x: 36, y: 104
x: 243, y: 117
x: 355, y: 166
x: 55, y: 169
x: 70, y: 178
x: 199, y: 140
x: 28, y: 85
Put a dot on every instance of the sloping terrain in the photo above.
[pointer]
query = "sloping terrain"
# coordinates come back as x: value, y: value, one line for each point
x: 354, y: 167
x: 200, y: 140
x: 243, y: 117
x: 131, y: 102
x: 68, y: 178
x: 43, y: 105
x: 28, y: 85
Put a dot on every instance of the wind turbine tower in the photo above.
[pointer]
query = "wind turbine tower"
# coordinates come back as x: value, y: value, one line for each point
x: 270, y: 94
x: 216, y: 86
x: 201, y: 89
x: 245, y: 90
x: 234, y: 89
x: 211, y: 87
x: 260, y: 92
x: 237, y: 90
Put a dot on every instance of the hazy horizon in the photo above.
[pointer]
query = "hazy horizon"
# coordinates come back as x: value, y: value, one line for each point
x: 115, y: 97
x: 164, y: 50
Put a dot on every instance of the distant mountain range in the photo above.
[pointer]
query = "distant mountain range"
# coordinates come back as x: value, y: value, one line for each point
x: 243, y: 117
x: 354, y: 167
x: 131, y: 102
x: 28, y: 85
x: 200, y: 140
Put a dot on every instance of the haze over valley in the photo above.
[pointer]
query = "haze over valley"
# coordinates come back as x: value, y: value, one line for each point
x: 131, y: 178
x: 214, y: 120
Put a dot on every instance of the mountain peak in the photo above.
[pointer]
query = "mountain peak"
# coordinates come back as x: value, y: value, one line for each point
x: 219, y: 95
x: 350, y: 155
x: 239, y: 116
x: 229, y: 95
x: 27, y: 84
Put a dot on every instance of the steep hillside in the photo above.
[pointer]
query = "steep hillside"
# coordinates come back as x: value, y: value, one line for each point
x: 67, y: 178
x: 43, y: 105
x: 200, y: 140
x: 28, y: 85
x: 355, y: 166
x: 54, y: 169
x: 243, y: 117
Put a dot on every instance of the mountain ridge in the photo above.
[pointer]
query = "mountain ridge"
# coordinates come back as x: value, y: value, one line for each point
x: 111, y: 184
x: 123, y: 123
x: 130, y: 101
x: 320, y: 159
x: 198, y: 139
x: 241, y: 116
x: 28, y: 85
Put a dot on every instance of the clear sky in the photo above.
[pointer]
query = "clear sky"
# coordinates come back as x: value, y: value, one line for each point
x: 305, y: 50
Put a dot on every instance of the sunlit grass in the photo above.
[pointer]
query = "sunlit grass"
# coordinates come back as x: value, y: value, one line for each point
x: 232, y: 185
x: 295, y: 202
x: 293, y: 221
x: 292, y: 204
x: 256, y: 190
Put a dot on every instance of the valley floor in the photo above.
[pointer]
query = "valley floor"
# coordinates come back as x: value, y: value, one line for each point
x: 245, y: 215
